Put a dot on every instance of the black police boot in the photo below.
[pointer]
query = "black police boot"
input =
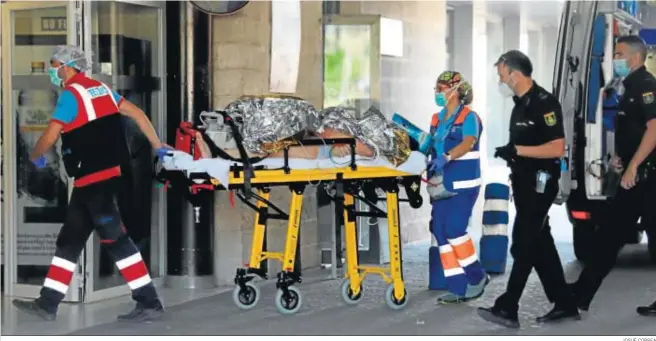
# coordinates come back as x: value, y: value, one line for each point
x: 499, y: 316
x: 558, y: 314
x: 649, y: 310
x: 142, y: 314
x: 36, y: 308
x: 582, y: 304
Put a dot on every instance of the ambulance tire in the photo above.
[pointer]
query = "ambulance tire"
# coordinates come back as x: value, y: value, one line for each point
x: 583, y: 242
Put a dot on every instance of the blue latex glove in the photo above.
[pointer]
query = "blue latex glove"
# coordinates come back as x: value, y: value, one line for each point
x: 40, y: 163
x: 437, y: 164
x: 163, y: 151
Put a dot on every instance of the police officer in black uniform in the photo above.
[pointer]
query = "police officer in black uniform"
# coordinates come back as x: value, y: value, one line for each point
x: 635, y: 139
x: 537, y: 142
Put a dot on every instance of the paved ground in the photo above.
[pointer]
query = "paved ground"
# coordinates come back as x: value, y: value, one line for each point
x: 324, y: 313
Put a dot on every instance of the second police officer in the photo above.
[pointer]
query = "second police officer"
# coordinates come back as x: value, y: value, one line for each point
x: 537, y: 142
x: 636, y: 160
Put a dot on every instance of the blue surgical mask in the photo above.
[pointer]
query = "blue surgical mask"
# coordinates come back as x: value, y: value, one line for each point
x: 440, y: 99
x: 621, y: 67
x: 54, y: 76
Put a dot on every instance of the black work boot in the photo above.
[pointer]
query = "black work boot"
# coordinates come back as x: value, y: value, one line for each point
x: 649, y: 310
x: 558, y: 314
x: 499, y: 316
x: 36, y: 308
x: 142, y: 314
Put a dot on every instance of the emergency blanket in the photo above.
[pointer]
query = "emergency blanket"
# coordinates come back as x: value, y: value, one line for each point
x: 220, y: 168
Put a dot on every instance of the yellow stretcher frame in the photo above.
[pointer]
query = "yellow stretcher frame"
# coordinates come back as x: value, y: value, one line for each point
x: 288, y: 298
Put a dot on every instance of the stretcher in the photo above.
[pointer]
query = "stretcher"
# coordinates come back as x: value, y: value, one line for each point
x: 251, y: 180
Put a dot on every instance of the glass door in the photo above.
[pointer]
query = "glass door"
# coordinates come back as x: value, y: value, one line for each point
x: 126, y: 41
x: 351, y: 75
x: 34, y: 200
x: 351, y: 79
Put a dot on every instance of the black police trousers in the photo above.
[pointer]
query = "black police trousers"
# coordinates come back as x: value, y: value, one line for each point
x: 533, y: 246
x: 614, y: 229
x: 90, y: 208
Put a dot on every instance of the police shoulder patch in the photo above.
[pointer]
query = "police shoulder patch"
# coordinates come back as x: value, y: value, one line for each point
x: 648, y: 97
x: 550, y: 119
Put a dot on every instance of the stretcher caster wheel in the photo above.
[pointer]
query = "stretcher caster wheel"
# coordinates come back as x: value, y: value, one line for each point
x: 246, y: 298
x: 289, y: 304
x: 392, y: 302
x: 347, y: 293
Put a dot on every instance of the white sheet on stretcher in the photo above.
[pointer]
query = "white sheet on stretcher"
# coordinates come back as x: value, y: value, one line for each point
x: 220, y: 168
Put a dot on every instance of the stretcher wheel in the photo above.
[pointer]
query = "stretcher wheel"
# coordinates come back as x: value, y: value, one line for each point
x: 392, y: 302
x: 289, y: 305
x: 347, y: 293
x: 246, y: 298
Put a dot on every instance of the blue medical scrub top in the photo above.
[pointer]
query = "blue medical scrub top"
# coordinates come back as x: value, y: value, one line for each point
x: 469, y: 128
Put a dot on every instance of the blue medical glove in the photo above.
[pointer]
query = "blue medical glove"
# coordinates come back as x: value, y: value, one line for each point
x: 40, y: 163
x: 437, y: 164
x: 163, y: 151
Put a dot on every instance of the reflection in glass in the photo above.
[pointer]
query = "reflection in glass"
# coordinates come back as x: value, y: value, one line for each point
x: 42, y: 194
x: 124, y: 46
x: 347, y: 58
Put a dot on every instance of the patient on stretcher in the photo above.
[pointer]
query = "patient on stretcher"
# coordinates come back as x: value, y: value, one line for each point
x: 268, y: 126
x: 300, y: 151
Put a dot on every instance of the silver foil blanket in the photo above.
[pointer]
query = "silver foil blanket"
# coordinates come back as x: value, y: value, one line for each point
x: 339, y: 119
x: 387, y: 138
x: 269, y: 120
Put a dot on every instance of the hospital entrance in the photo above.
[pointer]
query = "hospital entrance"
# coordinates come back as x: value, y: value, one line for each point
x: 126, y: 46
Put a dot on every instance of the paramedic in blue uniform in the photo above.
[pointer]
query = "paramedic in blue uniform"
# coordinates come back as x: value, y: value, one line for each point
x: 455, y: 154
x: 88, y: 118
x: 537, y: 142
x: 635, y: 139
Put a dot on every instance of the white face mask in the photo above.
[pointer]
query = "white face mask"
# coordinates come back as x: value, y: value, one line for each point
x: 505, y: 89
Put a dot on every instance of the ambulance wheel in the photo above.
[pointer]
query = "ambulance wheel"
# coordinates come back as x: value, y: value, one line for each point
x: 347, y: 293
x: 392, y: 302
x: 288, y: 305
x: 246, y: 298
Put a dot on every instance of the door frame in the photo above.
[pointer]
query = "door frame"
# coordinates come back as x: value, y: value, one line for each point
x: 374, y: 22
x: 158, y: 254
x: 10, y: 221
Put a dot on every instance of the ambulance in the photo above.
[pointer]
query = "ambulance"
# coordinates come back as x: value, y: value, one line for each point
x: 588, y: 90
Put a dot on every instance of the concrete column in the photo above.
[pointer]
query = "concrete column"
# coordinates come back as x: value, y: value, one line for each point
x: 463, y: 47
x: 511, y: 41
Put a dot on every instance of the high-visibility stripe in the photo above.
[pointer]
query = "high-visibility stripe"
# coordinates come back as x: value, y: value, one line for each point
x: 473, y: 155
x: 55, y: 285
x: 86, y: 101
x: 463, y: 247
x: 60, y: 275
x: 580, y: 215
x: 446, y: 248
x: 495, y: 205
x: 134, y: 271
x: 466, y: 184
x: 64, y: 264
x: 139, y: 282
x: 495, y: 230
x: 468, y: 261
x: 453, y: 272
x: 125, y: 262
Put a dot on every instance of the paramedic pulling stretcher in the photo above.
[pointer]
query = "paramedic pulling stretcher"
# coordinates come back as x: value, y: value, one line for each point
x: 347, y: 182
x: 93, y: 148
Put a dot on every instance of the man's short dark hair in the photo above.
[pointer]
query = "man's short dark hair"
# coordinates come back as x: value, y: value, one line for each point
x: 636, y: 44
x: 516, y: 61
